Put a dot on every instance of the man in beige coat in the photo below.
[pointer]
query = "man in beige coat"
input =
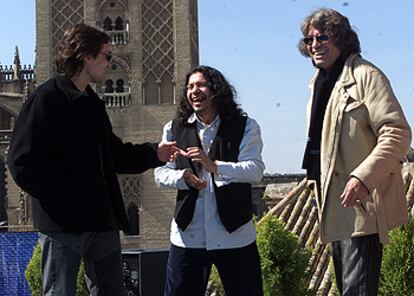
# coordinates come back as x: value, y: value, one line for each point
x: 357, y: 138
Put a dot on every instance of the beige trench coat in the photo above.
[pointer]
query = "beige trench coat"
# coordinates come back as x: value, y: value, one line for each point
x: 365, y: 134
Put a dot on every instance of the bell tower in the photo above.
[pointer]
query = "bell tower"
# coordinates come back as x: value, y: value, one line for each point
x: 154, y: 44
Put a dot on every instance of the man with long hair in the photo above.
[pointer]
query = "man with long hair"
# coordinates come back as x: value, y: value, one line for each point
x: 64, y: 154
x: 220, y: 157
x: 357, y: 138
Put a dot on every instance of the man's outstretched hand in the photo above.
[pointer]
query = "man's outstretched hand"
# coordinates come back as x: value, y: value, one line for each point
x: 167, y: 151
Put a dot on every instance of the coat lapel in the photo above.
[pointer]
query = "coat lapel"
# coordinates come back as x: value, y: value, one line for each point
x: 332, y: 126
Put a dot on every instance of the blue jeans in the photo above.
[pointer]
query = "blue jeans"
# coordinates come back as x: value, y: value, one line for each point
x: 60, y: 266
x: 188, y: 271
x: 357, y: 263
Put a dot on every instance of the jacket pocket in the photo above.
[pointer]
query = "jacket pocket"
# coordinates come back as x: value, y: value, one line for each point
x: 365, y: 216
x: 355, y: 122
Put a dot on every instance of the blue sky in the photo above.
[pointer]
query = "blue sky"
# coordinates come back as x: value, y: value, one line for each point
x: 254, y: 43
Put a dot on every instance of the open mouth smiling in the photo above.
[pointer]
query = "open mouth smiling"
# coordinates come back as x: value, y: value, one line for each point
x: 319, y: 53
x: 198, y: 99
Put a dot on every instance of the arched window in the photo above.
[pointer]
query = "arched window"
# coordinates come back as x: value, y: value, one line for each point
x: 151, y: 90
x: 107, y: 24
x: 119, y: 24
x: 6, y: 120
x: 133, y: 218
x: 167, y: 89
x: 109, y: 86
x: 119, y: 86
x: 112, y: 15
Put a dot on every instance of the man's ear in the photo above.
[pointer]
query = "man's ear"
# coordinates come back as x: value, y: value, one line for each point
x: 87, y: 58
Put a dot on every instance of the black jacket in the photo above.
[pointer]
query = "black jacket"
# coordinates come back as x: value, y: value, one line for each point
x: 234, y: 201
x: 64, y: 154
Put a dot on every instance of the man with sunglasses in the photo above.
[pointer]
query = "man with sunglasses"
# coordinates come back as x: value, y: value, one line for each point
x: 64, y: 154
x: 357, y: 138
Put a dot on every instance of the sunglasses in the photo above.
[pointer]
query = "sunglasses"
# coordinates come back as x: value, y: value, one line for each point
x: 320, y: 38
x: 108, y: 56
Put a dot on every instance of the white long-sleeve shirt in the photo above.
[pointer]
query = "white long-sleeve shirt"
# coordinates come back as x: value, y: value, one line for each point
x: 205, y: 229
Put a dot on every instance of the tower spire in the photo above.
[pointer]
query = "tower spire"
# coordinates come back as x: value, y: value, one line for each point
x: 16, y: 64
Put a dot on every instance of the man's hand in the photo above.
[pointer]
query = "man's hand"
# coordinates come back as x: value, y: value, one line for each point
x: 193, y: 181
x: 167, y: 151
x: 198, y: 155
x: 355, y: 191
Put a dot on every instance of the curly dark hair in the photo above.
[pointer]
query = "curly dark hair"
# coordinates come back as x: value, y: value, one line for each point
x: 222, y: 93
x: 335, y: 25
x: 77, y: 42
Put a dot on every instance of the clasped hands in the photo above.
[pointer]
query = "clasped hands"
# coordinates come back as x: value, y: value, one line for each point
x: 168, y: 151
x: 197, y: 154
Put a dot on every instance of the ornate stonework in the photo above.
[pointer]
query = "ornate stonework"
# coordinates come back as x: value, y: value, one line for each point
x: 131, y: 186
x: 158, y: 51
x: 64, y: 14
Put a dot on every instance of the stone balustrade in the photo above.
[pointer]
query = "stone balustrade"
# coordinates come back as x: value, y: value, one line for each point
x: 113, y: 100
x: 118, y: 37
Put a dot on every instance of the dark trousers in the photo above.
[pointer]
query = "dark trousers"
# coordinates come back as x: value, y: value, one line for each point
x: 357, y: 263
x: 60, y: 266
x: 188, y: 271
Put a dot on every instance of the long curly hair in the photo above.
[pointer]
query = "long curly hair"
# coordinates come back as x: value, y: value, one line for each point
x: 222, y: 93
x: 334, y: 24
x: 77, y: 42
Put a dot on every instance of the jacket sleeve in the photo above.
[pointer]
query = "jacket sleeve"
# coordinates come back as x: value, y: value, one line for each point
x: 132, y: 158
x: 391, y: 128
x: 30, y: 156
x: 168, y: 176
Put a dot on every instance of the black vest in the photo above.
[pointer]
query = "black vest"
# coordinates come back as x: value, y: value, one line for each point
x: 234, y: 201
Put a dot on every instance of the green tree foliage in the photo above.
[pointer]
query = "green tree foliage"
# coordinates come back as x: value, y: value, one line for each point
x: 217, y: 286
x: 81, y: 288
x: 33, y: 275
x: 33, y: 272
x: 283, y: 262
x: 397, y: 274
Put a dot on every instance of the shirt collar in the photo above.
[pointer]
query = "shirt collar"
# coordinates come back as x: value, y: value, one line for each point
x: 194, y: 118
